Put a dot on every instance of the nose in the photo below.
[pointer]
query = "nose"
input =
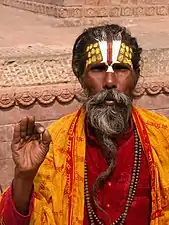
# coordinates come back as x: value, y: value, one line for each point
x: 110, y: 81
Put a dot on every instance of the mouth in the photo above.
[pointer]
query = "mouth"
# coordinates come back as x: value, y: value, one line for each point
x: 109, y: 102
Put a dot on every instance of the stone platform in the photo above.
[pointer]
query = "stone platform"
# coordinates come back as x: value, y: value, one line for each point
x: 88, y: 12
x: 36, y: 77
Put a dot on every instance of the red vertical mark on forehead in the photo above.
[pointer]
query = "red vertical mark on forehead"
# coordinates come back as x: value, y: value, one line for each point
x: 109, y: 52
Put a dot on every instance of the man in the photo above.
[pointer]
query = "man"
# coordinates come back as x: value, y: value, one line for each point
x: 107, y: 163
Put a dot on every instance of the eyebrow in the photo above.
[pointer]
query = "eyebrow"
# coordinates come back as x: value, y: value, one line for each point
x: 121, y: 65
x: 94, y: 65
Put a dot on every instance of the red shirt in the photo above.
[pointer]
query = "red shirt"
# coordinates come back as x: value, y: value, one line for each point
x: 10, y: 215
x: 112, y: 197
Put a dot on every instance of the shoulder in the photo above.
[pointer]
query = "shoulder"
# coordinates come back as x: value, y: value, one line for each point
x: 150, y: 116
x: 62, y: 124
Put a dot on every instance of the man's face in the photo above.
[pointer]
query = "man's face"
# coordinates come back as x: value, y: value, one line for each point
x: 109, y: 65
x: 97, y: 79
x: 109, y: 104
x: 109, y: 86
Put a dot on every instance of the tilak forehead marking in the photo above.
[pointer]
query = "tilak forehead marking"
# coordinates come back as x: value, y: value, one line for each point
x: 109, y: 52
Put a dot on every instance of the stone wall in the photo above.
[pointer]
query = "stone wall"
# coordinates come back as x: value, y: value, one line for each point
x: 71, y: 12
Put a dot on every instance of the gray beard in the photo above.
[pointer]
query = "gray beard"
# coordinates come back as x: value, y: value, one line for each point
x: 108, y: 123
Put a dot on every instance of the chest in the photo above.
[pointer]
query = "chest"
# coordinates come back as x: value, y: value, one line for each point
x: 112, y: 197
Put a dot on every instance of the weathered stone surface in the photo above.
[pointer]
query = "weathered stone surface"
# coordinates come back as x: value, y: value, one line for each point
x: 38, y: 32
x: 42, y: 112
x: 97, y: 2
x: 45, y: 70
x: 68, y: 11
x: 7, y: 172
x: 67, y: 93
x: 6, y: 134
x: 5, y: 152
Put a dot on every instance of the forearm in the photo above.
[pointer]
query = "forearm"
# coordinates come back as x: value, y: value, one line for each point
x: 22, y: 191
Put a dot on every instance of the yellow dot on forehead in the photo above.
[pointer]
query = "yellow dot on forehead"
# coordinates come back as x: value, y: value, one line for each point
x: 93, y: 51
x: 122, y: 50
x: 123, y: 45
x: 91, y: 46
x: 97, y: 51
x: 130, y: 55
x: 90, y: 61
x: 125, y: 60
x: 99, y: 58
x: 96, y: 45
x: 129, y: 62
x: 127, y: 48
x: 120, y: 58
x: 126, y: 54
x: 93, y: 58
x: 88, y: 48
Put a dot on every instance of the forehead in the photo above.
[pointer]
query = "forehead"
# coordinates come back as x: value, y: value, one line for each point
x: 109, y: 52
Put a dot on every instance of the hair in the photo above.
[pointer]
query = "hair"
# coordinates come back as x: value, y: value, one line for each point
x: 106, y: 32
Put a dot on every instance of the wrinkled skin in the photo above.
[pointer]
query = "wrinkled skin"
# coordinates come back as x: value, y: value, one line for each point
x: 30, y: 145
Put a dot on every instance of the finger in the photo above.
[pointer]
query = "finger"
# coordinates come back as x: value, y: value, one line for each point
x: 16, y: 134
x: 30, y: 125
x: 23, y: 127
x: 46, y: 138
x: 39, y: 128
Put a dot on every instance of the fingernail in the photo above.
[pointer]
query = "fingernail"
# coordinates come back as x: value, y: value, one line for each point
x: 42, y: 129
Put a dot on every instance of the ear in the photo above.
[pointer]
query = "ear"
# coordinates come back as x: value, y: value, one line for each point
x: 135, y: 78
x: 82, y: 80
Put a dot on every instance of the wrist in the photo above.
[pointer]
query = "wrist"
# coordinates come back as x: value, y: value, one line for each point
x: 22, y: 192
x: 20, y: 184
x: 26, y: 176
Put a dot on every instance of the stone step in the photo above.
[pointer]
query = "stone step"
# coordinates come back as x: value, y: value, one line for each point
x: 20, y: 27
x: 78, y: 13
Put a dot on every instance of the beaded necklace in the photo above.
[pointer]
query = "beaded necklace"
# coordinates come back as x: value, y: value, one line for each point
x: 93, y: 219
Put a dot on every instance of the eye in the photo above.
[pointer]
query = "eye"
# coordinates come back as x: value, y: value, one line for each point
x: 98, y: 68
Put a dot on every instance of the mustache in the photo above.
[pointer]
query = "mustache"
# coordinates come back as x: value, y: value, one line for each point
x: 109, y: 94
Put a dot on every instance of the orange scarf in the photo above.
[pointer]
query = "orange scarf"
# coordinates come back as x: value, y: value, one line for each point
x: 59, y: 184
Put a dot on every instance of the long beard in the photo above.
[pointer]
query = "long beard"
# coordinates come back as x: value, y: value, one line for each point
x: 109, y: 120
x: 108, y: 123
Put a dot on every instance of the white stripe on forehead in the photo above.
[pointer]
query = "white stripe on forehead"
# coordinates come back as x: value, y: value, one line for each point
x: 115, y: 50
x: 103, y: 49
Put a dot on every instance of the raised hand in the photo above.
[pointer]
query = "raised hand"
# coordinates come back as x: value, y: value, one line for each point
x: 30, y: 145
